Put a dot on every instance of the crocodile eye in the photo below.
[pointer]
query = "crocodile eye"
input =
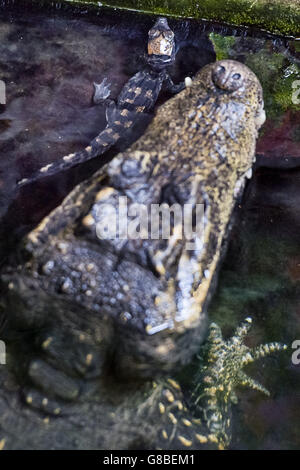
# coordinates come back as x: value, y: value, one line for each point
x: 236, y: 76
x: 169, y: 35
x: 154, y: 34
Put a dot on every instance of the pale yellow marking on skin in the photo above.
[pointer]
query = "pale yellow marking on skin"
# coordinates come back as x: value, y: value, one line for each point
x: 137, y: 91
x: 118, y: 123
x: 116, y: 136
x: 45, y: 401
x: 172, y: 418
x: 184, y: 441
x: 68, y: 158
x: 139, y: 109
x: 129, y: 101
x: 145, y: 160
x: 148, y: 93
x: 29, y: 399
x: 23, y: 181
x: 104, y: 194
x: 221, y: 447
x: 46, y: 168
x: 213, y: 438
x: 46, y: 420
x: 162, y: 408
x: 164, y: 349
x: 57, y: 411
x: 46, y: 343
x: 186, y: 422
x: 88, y: 149
x: 156, y: 169
x: 88, y: 359
x: 197, y: 421
x: 34, y: 235
x: 201, y: 439
x: 108, y: 131
x: 2, y: 444
x: 101, y: 142
x: 210, y: 391
x: 124, y: 112
x: 207, y: 379
x: 88, y: 220
x: 164, y: 434
x: 179, y: 405
x: 174, y: 384
x: 128, y: 124
x: 148, y: 328
x: 169, y: 396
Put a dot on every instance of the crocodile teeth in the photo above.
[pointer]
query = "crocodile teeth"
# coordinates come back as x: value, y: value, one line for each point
x: 188, y: 82
x: 249, y: 174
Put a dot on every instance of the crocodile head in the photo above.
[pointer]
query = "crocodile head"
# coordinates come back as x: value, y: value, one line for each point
x: 161, y: 44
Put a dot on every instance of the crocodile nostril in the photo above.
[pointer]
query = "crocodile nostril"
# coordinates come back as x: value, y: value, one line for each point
x: 221, y: 69
x: 236, y: 76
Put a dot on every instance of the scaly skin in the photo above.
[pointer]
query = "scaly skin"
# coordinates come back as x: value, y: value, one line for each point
x: 198, y: 150
x: 157, y: 416
x: 137, y: 98
x: 139, y: 306
x: 203, y: 421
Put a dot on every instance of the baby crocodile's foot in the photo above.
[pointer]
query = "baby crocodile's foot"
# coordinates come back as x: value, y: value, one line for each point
x: 221, y: 372
x: 204, y: 419
x: 102, y: 91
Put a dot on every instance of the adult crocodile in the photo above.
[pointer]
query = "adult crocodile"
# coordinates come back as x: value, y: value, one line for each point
x: 100, y: 310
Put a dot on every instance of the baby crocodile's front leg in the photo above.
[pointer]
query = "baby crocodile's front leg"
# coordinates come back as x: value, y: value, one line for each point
x: 204, y: 420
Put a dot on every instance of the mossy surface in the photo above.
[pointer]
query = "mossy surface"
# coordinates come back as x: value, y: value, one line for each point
x: 277, y: 16
x: 276, y: 70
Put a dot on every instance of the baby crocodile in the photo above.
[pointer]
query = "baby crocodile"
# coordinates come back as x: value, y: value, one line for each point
x: 137, y: 97
x: 137, y: 305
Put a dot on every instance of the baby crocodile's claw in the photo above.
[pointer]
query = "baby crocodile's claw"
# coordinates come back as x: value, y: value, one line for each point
x: 221, y: 372
x: 226, y: 359
x: 102, y: 91
x: 203, y: 420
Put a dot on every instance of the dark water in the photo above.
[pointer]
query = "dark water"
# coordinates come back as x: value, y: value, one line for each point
x: 49, y: 62
x: 260, y: 278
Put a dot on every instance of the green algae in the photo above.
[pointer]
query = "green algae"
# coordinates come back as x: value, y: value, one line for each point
x: 277, y: 16
x: 222, y: 45
x: 275, y: 70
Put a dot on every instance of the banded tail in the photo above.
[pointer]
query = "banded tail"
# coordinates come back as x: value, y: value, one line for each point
x: 99, y: 145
